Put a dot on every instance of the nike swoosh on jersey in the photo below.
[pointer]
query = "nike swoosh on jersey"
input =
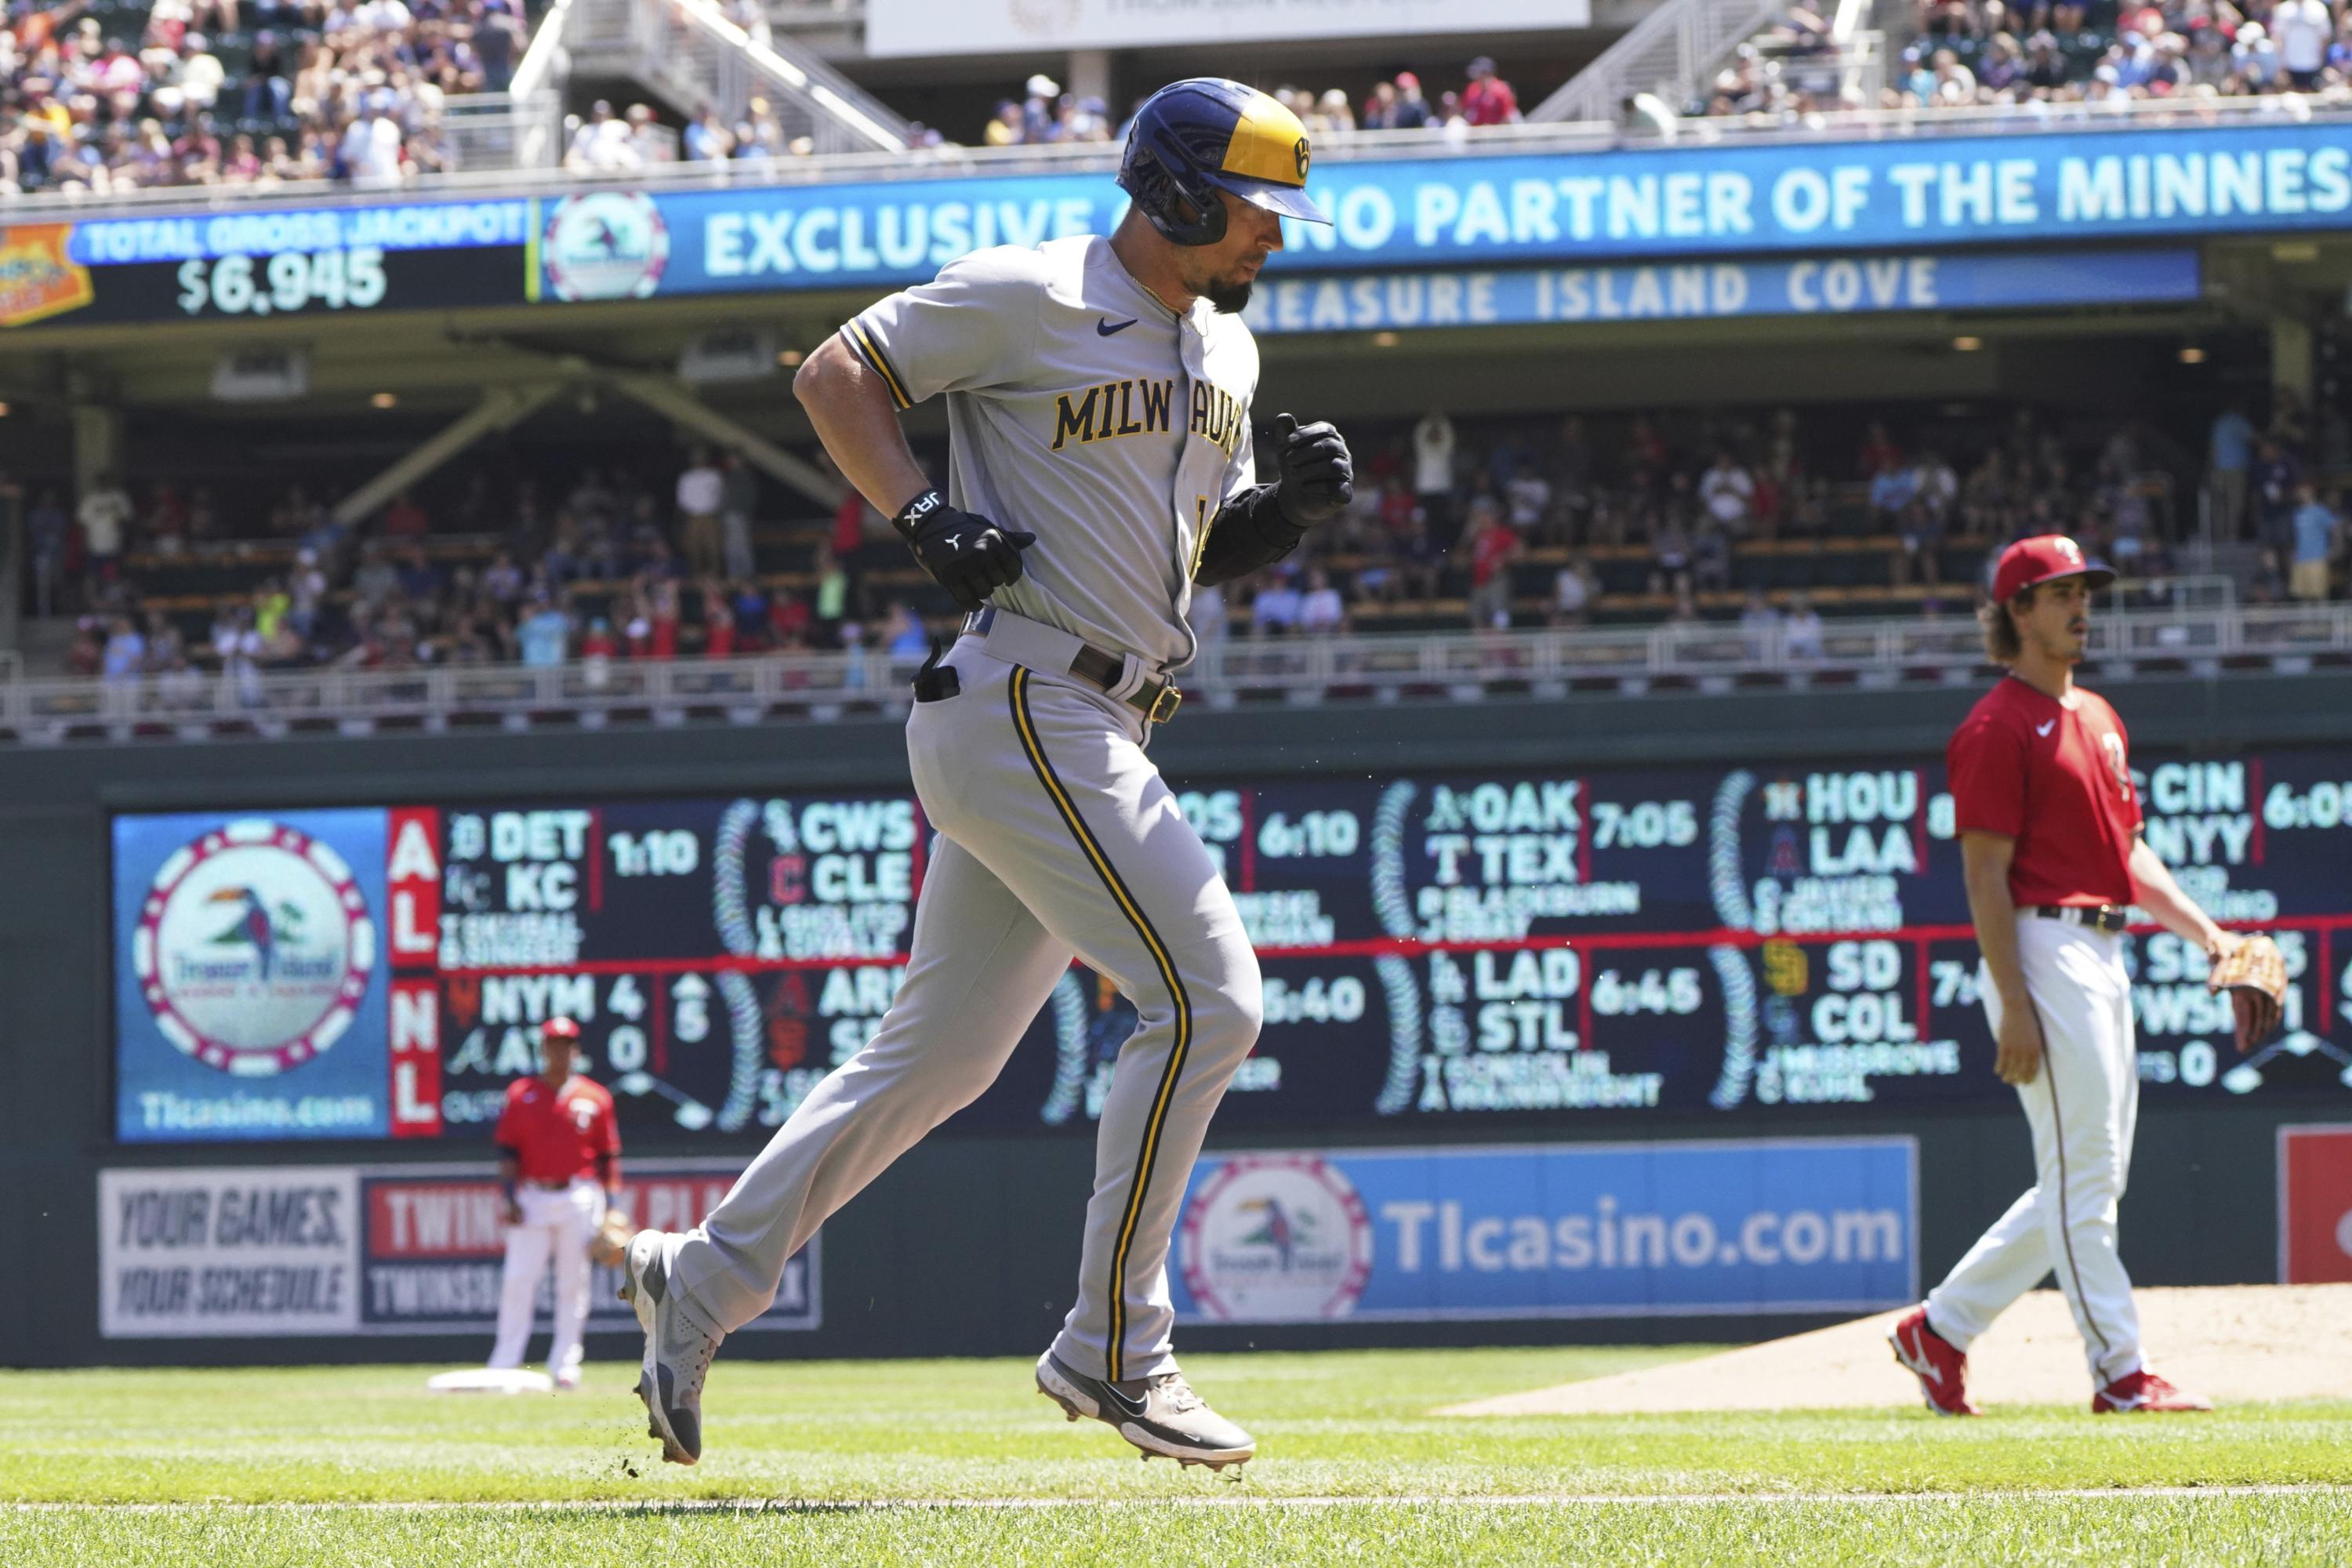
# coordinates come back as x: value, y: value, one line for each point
x: 2045, y: 726
x: 1104, y: 328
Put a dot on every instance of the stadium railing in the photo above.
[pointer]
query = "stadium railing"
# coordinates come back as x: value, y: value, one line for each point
x: 1709, y: 657
x: 937, y: 162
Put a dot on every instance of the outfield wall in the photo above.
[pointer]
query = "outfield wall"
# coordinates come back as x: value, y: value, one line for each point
x: 903, y: 1272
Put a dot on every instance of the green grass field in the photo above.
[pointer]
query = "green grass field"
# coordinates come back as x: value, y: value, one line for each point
x: 962, y: 1461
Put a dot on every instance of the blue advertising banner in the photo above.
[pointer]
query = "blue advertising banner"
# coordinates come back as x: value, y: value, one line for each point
x: 1467, y: 210
x: 1703, y: 289
x: 404, y: 225
x: 249, y: 985
x: 1987, y: 190
x: 1591, y: 1230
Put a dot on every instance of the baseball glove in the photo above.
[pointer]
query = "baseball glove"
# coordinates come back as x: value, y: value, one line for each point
x: 2254, y: 974
x: 611, y: 1242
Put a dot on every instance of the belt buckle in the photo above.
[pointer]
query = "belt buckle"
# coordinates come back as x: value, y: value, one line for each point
x: 1163, y: 707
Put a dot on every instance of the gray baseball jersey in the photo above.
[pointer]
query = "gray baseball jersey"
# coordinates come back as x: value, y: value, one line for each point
x: 1086, y: 411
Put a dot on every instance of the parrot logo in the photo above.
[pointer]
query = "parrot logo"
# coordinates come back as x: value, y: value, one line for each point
x: 255, y: 947
x: 1276, y: 1238
x: 1278, y: 1230
x: 256, y: 926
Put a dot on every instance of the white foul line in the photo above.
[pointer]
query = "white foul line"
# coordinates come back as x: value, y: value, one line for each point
x: 1234, y: 1497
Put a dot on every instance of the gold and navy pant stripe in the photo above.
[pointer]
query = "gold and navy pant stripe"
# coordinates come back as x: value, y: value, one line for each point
x: 869, y: 349
x: 1165, y: 1095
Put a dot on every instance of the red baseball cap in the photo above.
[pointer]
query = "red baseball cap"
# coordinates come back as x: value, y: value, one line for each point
x: 559, y: 1028
x: 2046, y: 558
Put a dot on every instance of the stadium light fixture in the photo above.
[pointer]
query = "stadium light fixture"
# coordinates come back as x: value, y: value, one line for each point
x: 731, y: 354
x: 2191, y: 354
x: 384, y: 399
x: 1966, y: 345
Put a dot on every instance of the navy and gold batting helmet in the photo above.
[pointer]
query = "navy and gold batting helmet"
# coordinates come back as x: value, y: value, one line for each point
x: 1194, y: 138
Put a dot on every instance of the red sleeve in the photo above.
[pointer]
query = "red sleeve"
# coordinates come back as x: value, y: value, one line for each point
x: 505, y: 1135
x: 609, y: 1138
x: 1986, y: 762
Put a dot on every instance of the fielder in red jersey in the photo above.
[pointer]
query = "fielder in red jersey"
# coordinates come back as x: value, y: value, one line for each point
x: 560, y: 1164
x: 2050, y: 847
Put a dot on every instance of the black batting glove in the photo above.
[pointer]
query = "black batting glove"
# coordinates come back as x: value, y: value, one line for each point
x: 965, y: 553
x: 1317, y: 477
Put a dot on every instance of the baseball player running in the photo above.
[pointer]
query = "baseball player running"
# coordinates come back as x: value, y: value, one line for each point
x: 560, y: 1164
x: 1100, y: 463
x: 2050, y: 847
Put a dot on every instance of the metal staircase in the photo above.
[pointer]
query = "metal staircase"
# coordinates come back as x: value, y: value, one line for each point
x: 1671, y: 53
x: 690, y: 54
x: 521, y: 127
x: 685, y: 52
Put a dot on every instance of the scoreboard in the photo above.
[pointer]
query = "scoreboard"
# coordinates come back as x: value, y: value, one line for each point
x: 1438, y: 949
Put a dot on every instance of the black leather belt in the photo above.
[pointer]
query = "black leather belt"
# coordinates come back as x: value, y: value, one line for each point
x: 2108, y: 918
x: 1156, y: 699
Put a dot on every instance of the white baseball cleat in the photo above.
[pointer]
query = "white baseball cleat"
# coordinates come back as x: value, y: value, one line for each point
x: 1159, y: 1414
x: 677, y: 1351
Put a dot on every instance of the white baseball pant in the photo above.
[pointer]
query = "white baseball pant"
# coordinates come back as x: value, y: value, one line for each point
x: 2083, y: 1108
x: 560, y: 1221
x: 1058, y: 837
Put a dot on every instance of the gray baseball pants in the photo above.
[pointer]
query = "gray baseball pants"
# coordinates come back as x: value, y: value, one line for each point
x: 1057, y: 839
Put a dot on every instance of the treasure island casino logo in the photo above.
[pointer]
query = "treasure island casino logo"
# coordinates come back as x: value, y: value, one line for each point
x: 37, y: 278
x: 254, y: 948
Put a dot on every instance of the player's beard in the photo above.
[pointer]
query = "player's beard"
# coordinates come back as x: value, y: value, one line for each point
x: 1226, y: 296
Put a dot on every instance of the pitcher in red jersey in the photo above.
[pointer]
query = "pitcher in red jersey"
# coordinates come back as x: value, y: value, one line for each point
x: 2050, y: 850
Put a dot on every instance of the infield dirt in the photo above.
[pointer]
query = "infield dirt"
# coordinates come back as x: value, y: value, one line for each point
x: 2235, y: 1343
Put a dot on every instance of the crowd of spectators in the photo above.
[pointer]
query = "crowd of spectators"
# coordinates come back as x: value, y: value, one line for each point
x: 621, y: 565
x: 2266, y: 484
x: 1490, y: 523
x: 260, y: 91
x: 1997, y: 53
x: 1664, y: 506
x: 241, y: 92
x: 1047, y: 114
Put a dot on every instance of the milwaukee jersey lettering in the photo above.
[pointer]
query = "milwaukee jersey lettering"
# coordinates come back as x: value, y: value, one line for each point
x: 1128, y: 408
x: 1084, y: 410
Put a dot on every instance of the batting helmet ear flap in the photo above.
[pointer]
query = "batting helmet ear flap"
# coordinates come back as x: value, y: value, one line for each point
x: 1161, y: 193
